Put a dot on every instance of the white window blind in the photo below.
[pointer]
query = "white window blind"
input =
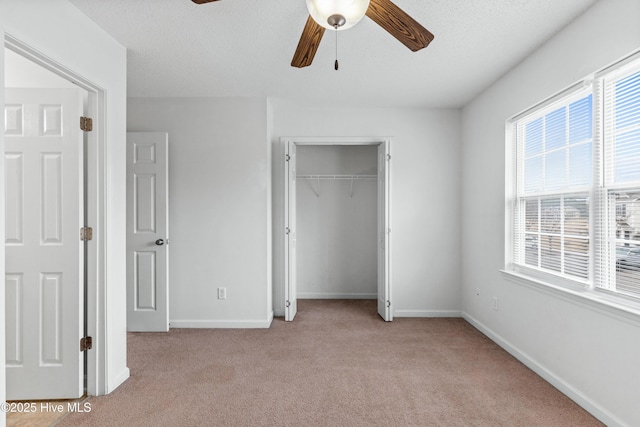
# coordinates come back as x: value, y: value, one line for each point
x: 554, y: 164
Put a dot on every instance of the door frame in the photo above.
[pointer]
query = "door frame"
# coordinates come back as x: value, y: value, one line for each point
x: 96, y: 213
x: 339, y: 140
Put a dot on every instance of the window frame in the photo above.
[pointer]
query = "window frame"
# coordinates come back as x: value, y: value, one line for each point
x: 514, y: 177
x: 521, y: 195
x: 607, y: 187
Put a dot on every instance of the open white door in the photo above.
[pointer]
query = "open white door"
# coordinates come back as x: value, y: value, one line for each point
x: 147, y: 232
x: 384, y: 214
x: 44, y: 281
x: 290, y: 285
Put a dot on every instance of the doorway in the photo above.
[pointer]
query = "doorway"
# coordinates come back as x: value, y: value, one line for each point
x: 364, y: 179
x: 46, y: 159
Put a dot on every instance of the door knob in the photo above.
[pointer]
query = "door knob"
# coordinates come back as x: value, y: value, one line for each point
x: 159, y: 242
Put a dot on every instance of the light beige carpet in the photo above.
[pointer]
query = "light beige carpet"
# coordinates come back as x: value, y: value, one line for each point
x: 337, y: 364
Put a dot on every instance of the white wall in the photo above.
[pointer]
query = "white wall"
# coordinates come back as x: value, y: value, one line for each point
x: 425, y: 185
x: 59, y: 31
x: 337, y: 230
x: 219, y: 187
x: 589, y: 353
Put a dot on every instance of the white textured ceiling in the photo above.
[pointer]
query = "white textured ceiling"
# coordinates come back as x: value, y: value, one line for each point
x: 244, y: 48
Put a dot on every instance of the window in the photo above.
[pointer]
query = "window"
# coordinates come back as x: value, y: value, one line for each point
x: 554, y: 147
x: 576, y: 198
x: 618, y: 262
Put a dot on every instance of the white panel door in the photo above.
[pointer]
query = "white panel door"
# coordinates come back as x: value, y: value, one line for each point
x: 290, y: 287
x: 384, y: 288
x: 147, y: 232
x: 44, y: 282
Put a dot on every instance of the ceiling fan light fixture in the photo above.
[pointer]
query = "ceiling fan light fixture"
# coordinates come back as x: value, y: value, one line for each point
x: 351, y: 10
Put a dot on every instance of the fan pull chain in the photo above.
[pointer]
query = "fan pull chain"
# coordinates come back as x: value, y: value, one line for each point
x: 336, y: 63
x: 336, y: 21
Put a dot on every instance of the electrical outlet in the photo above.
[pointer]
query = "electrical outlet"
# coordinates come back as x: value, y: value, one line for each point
x: 477, y: 292
x: 495, y: 303
x: 222, y: 293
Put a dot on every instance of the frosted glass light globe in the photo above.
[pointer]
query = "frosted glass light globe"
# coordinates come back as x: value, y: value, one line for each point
x: 352, y: 11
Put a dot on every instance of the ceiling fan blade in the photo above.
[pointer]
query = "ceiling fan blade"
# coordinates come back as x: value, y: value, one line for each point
x: 203, y: 1
x: 308, y: 44
x: 400, y: 25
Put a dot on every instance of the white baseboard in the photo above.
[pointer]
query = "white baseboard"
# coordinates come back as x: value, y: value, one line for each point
x: 222, y: 324
x: 334, y: 295
x: 426, y: 313
x: 118, y: 380
x: 399, y: 313
x: 589, y: 405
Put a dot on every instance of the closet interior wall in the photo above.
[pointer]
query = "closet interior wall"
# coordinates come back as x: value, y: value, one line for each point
x: 337, y: 222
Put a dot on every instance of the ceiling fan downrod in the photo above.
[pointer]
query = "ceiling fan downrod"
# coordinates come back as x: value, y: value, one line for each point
x: 336, y: 21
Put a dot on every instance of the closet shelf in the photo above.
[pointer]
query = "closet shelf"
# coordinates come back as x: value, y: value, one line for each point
x: 337, y: 176
x: 317, y: 178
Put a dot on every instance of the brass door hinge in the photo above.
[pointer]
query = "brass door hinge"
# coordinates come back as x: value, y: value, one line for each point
x: 86, y: 124
x: 86, y: 343
x: 86, y: 233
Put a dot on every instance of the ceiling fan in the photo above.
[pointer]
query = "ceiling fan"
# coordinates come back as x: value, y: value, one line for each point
x: 343, y: 14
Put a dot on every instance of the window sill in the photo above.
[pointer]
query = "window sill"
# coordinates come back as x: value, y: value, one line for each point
x: 601, y: 302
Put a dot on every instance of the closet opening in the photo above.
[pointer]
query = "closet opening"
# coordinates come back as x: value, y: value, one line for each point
x: 337, y: 221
